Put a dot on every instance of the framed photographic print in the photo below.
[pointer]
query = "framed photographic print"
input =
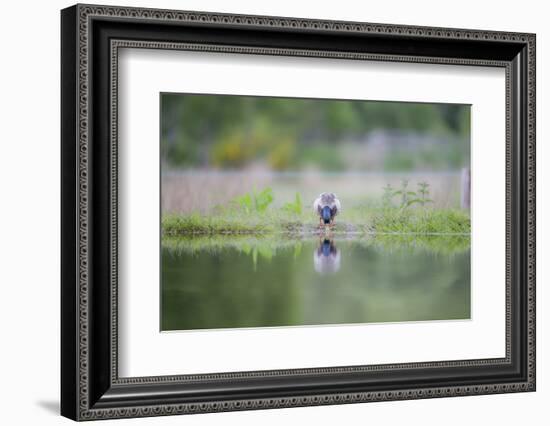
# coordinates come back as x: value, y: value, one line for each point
x: 263, y: 212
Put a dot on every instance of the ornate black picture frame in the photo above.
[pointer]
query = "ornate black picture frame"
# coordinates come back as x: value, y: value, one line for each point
x: 90, y: 38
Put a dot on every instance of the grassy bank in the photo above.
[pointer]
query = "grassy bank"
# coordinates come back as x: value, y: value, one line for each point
x: 421, y: 221
x: 357, y: 220
x: 232, y: 222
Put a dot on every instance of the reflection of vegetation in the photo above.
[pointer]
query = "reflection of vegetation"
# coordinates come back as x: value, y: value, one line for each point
x: 264, y: 244
x: 219, y: 290
x: 268, y: 245
x: 229, y: 288
x: 448, y: 244
x: 225, y: 281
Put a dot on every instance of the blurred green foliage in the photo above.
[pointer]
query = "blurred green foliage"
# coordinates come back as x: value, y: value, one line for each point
x: 230, y: 132
x: 296, y: 206
x: 254, y: 201
x: 407, y: 197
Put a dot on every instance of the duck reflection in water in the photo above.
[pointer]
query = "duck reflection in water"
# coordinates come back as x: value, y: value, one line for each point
x: 326, y: 258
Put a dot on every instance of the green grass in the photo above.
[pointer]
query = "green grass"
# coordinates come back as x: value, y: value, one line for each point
x: 421, y: 221
x: 234, y: 222
x: 354, y: 220
x: 197, y: 224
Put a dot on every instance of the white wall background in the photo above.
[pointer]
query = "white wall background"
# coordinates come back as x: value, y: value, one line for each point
x: 29, y: 213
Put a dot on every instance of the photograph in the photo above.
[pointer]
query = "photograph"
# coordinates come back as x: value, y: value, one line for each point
x: 265, y: 209
x: 279, y: 212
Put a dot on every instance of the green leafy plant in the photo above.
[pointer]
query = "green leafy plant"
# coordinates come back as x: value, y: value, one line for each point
x: 295, y: 207
x: 424, y: 193
x: 407, y: 197
x: 262, y: 199
x: 255, y: 201
x: 244, y: 202
x: 420, y: 196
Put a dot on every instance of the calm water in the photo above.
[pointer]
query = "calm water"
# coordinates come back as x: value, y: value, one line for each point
x: 312, y: 282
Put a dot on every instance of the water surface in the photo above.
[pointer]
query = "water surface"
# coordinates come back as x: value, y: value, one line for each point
x: 311, y: 281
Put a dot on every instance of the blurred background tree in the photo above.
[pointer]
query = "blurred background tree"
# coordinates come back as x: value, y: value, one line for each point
x: 289, y: 134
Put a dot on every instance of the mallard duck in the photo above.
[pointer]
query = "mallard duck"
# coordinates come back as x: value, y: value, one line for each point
x: 327, y: 206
